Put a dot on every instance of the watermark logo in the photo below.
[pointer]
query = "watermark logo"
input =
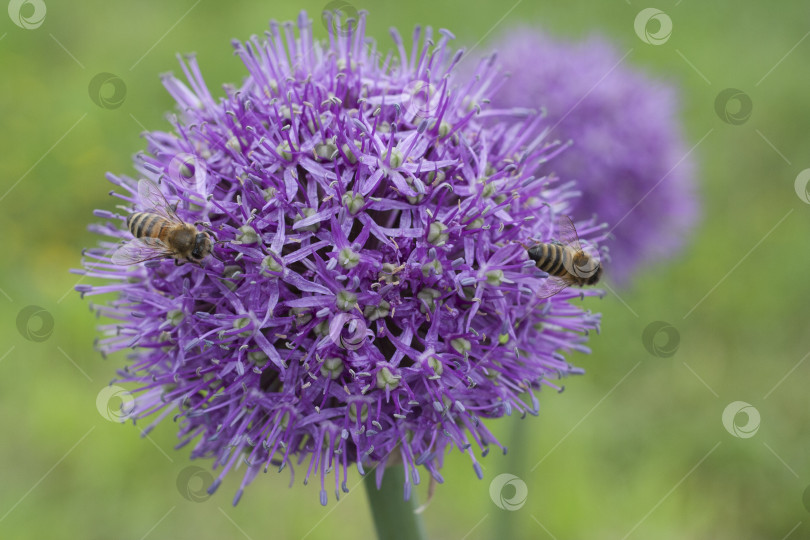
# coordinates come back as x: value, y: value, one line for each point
x: 115, y: 404
x: 733, y: 106
x: 653, y: 26
x: 107, y: 90
x: 508, y: 492
x: 584, y: 267
x: 27, y: 14
x: 421, y: 101
x: 193, y: 482
x: 336, y: 16
x: 661, y: 339
x: 731, y: 416
x: 185, y: 171
x: 348, y: 332
x: 800, y: 185
x: 34, y: 323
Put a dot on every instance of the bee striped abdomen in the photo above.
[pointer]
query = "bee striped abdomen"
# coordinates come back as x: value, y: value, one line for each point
x: 551, y: 258
x: 146, y: 225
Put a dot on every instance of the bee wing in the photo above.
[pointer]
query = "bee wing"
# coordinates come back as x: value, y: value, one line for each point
x: 551, y: 286
x: 154, y: 199
x: 140, y: 249
x: 582, y: 267
x: 567, y: 233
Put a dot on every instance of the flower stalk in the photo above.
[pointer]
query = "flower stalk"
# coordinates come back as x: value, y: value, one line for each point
x: 394, y: 517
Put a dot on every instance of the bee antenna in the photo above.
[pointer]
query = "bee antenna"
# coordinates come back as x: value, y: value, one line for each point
x: 205, y: 225
x: 214, y: 255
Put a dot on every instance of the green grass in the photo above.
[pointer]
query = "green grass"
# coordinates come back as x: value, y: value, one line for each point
x: 610, y: 449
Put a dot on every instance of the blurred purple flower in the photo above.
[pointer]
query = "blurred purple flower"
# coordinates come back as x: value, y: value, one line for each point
x: 374, y: 301
x: 628, y: 157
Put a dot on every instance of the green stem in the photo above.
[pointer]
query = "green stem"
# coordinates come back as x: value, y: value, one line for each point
x: 394, y: 517
x: 503, y: 526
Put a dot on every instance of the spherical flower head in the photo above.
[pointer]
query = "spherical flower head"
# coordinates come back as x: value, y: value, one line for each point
x: 628, y: 156
x: 369, y: 299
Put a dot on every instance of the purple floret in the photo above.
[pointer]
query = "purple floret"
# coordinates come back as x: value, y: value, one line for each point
x: 629, y: 157
x: 374, y: 301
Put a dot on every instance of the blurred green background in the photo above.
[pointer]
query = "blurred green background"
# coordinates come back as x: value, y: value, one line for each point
x: 634, y: 449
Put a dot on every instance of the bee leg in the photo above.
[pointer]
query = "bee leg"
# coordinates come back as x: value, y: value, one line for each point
x: 177, y: 262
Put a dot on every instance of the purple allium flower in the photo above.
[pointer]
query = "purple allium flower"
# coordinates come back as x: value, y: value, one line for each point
x: 374, y: 301
x: 628, y: 155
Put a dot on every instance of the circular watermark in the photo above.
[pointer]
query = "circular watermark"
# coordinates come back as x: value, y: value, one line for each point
x: 185, y: 171
x: 193, y: 482
x: 35, y: 323
x: 800, y: 185
x: 582, y: 265
x: 348, y: 332
x: 731, y: 414
x: 508, y: 492
x: 115, y: 404
x: 733, y: 106
x: 421, y: 100
x: 653, y: 26
x: 336, y: 16
x: 107, y: 90
x: 27, y: 14
x: 661, y: 339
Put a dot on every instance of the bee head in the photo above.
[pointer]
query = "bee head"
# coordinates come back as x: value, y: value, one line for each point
x: 586, y: 267
x: 202, y: 246
x: 597, y: 274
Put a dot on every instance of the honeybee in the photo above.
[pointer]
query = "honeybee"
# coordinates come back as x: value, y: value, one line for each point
x: 160, y: 233
x: 565, y: 261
